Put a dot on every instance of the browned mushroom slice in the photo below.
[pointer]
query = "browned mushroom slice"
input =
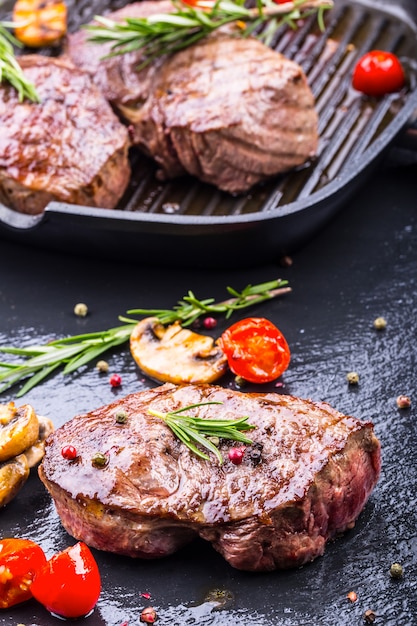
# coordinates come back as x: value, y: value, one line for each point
x: 19, y: 429
x: 34, y: 454
x: 13, y: 475
x: 175, y: 354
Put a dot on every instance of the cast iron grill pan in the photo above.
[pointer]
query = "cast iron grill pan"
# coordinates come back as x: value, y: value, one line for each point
x: 189, y: 221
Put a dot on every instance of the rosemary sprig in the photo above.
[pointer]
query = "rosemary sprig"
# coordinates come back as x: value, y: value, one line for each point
x: 193, y: 430
x: 165, y: 33
x: 10, y: 70
x: 190, y: 308
x: 71, y: 353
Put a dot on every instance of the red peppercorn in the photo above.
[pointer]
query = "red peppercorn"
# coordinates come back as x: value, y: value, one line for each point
x: 148, y: 615
x: 236, y: 455
x: 115, y: 380
x: 69, y: 452
x: 209, y: 323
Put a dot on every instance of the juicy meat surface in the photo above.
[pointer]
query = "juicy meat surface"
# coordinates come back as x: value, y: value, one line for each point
x: 305, y: 478
x: 229, y: 110
x: 71, y: 147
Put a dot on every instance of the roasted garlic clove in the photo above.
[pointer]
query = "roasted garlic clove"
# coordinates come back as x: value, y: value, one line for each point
x: 175, y: 354
x: 19, y: 429
x: 13, y: 475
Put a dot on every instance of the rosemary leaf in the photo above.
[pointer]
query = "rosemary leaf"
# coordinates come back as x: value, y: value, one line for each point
x: 165, y: 33
x: 10, y: 70
x: 189, y: 428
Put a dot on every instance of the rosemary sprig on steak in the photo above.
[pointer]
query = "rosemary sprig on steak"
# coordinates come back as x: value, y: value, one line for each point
x: 165, y: 33
x: 193, y: 430
x: 72, y: 353
x: 10, y: 70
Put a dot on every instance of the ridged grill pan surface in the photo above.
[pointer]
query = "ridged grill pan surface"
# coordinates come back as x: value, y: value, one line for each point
x: 186, y: 218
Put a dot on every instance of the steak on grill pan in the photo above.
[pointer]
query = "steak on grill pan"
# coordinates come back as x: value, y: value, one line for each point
x: 228, y: 110
x: 304, y: 480
x: 71, y: 147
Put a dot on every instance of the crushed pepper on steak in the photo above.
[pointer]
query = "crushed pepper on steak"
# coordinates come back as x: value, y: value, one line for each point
x: 277, y: 509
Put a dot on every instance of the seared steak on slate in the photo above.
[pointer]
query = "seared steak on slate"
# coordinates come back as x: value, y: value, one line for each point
x: 228, y: 110
x: 71, y: 147
x: 314, y: 475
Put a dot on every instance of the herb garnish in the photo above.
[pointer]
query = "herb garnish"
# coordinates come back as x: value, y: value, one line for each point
x: 73, y: 352
x: 10, y: 70
x: 196, y: 430
x: 165, y: 33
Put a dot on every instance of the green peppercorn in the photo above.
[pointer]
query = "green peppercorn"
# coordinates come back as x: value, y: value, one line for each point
x: 102, y: 366
x: 396, y: 570
x: 240, y: 381
x: 81, y: 309
x: 380, y: 323
x: 121, y: 417
x: 352, y: 378
x: 99, y: 460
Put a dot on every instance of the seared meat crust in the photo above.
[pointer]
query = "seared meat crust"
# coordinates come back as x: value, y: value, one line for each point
x: 228, y: 110
x: 70, y: 148
x: 316, y: 472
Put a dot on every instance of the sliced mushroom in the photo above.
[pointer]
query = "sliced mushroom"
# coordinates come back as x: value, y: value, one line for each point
x: 34, y: 454
x: 19, y: 429
x: 13, y: 475
x: 175, y: 354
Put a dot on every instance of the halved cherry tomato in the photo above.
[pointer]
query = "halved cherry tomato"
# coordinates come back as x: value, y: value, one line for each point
x: 255, y: 349
x: 378, y: 73
x: 20, y: 559
x: 69, y: 584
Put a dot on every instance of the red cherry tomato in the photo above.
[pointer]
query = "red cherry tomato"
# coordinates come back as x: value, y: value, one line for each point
x: 69, y: 584
x: 255, y: 349
x: 200, y: 4
x: 378, y: 73
x: 20, y: 559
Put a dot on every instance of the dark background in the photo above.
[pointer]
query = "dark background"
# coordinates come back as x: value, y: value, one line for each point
x: 362, y: 265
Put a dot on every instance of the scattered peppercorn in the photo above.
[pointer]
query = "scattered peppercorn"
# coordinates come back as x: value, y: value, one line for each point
x: 209, y: 323
x: 81, y: 309
x: 115, y: 380
x: 102, y: 366
x: 148, y: 615
x: 396, y: 570
x: 286, y: 261
x: 236, y: 455
x: 254, y: 452
x: 380, y: 323
x: 121, y: 417
x: 403, y: 402
x: 240, y: 382
x: 352, y: 378
x: 99, y: 460
x: 352, y: 596
x: 69, y: 452
x: 369, y: 617
x: 146, y: 595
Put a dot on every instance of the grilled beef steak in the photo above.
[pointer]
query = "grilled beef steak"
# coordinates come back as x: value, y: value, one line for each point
x: 305, y: 478
x: 71, y: 147
x: 228, y: 110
